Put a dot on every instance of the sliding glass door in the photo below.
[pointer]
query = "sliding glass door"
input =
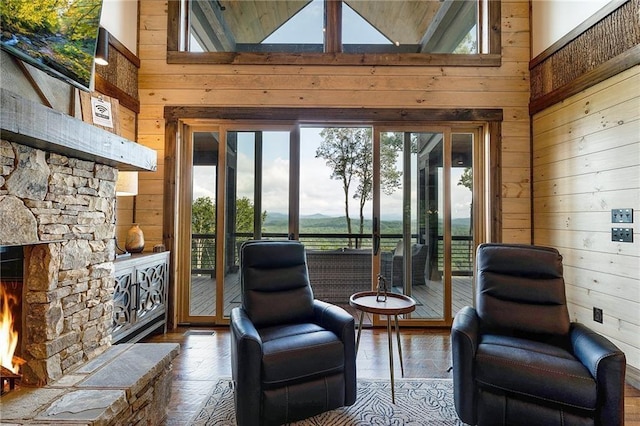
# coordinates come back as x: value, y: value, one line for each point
x: 396, y: 204
x: 426, y: 218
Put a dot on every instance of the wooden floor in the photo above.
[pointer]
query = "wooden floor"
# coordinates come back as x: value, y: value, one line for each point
x: 205, y: 354
x: 429, y: 297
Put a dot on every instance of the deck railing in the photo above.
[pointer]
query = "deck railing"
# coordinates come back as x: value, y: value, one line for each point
x: 203, y: 248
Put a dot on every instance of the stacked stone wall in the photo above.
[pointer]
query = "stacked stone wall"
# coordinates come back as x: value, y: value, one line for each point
x: 61, y: 210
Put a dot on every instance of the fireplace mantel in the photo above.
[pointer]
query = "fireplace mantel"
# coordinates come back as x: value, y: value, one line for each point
x: 26, y: 122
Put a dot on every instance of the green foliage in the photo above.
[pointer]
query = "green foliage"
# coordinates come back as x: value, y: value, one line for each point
x: 30, y: 16
x: 203, y: 216
x: 466, y: 179
x: 61, y: 33
x: 74, y: 23
x: 391, y: 145
x: 468, y: 45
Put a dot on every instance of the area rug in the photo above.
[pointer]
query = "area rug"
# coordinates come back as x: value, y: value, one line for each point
x: 419, y: 402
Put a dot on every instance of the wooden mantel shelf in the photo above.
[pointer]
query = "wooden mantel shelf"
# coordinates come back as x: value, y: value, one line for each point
x: 29, y: 123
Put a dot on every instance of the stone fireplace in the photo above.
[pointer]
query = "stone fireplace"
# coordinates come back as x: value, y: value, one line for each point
x: 61, y: 211
x: 57, y: 200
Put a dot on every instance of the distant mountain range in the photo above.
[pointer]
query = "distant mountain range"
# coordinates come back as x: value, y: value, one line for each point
x: 278, y: 222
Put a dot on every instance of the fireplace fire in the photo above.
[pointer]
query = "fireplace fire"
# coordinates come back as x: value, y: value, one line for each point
x: 11, y: 278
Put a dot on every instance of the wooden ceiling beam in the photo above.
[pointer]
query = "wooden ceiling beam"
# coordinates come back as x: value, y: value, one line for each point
x: 450, y: 25
x: 333, y: 26
x: 210, y: 28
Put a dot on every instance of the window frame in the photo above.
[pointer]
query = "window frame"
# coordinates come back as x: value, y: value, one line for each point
x: 489, y: 40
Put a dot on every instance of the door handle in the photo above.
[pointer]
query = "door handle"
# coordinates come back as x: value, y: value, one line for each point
x: 376, y: 236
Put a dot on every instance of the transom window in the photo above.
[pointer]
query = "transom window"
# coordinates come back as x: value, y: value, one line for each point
x: 311, y: 31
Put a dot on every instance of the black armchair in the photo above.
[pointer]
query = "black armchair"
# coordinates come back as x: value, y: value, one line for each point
x: 517, y: 358
x: 292, y: 357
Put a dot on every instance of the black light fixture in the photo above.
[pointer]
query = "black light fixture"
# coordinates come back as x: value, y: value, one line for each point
x: 102, y: 47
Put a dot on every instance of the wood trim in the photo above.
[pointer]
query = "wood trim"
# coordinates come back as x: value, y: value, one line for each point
x: 173, y: 26
x: 35, y: 125
x: 495, y: 186
x: 603, y: 49
x: 398, y: 59
x: 607, y: 70
x: 495, y: 27
x: 333, y: 114
x: 633, y: 376
x: 34, y: 84
x: 169, y: 214
x: 106, y: 88
x: 333, y: 26
x: 122, y: 49
x: 575, y: 33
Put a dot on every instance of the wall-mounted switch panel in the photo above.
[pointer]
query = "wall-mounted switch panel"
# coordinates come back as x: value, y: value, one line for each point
x: 597, y: 315
x: 621, y: 215
x: 622, y: 235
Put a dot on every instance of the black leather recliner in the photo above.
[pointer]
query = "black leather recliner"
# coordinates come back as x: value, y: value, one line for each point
x: 517, y: 358
x: 292, y: 357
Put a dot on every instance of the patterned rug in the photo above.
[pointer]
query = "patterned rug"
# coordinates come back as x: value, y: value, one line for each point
x: 419, y: 402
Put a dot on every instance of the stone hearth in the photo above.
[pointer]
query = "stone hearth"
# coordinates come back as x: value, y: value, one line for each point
x: 126, y: 385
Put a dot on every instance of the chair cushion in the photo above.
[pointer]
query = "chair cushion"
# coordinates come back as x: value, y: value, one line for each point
x: 275, y: 283
x: 297, y: 352
x: 536, y: 370
x: 521, y: 287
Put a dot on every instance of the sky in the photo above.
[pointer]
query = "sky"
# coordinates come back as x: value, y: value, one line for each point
x: 306, y: 27
x: 319, y: 194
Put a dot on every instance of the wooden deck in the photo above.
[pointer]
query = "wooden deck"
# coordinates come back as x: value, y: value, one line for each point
x: 429, y: 297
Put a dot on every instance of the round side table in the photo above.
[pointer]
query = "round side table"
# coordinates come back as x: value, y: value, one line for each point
x: 392, y: 305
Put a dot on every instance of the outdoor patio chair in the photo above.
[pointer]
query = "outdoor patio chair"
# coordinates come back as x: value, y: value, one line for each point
x: 419, y: 254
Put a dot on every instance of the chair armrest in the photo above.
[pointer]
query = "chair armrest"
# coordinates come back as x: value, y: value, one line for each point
x: 246, y: 363
x: 342, y: 324
x: 333, y: 318
x: 464, y: 343
x: 607, y: 364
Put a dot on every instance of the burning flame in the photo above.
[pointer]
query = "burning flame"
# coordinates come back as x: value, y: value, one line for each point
x: 8, y: 335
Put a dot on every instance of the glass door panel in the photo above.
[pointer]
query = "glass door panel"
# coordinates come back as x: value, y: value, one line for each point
x: 202, y: 285
x: 335, y: 205
x: 462, y: 220
x: 257, y: 197
x: 410, y: 218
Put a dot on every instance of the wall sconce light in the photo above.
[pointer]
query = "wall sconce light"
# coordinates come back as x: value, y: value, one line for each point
x: 102, y: 47
x: 127, y: 184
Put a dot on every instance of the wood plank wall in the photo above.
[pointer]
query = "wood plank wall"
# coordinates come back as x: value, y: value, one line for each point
x: 505, y: 87
x: 586, y: 161
x: 119, y: 80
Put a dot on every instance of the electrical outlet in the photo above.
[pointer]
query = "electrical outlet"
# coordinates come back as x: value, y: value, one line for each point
x: 597, y: 315
x: 622, y: 235
x: 621, y: 215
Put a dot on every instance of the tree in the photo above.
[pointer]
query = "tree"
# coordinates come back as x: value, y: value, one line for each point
x: 244, y: 215
x: 348, y: 152
x: 203, y: 221
x: 203, y: 216
x: 468, y: 44
x: 466, y: 179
